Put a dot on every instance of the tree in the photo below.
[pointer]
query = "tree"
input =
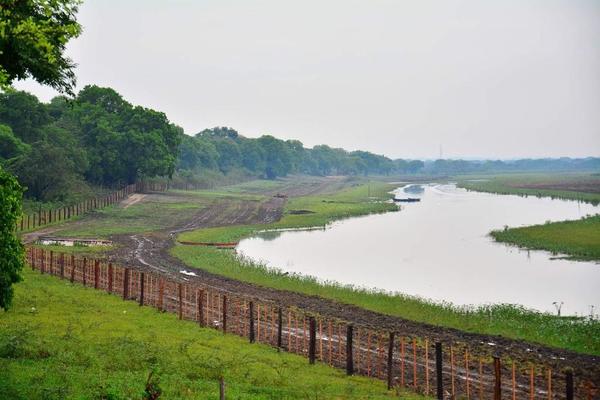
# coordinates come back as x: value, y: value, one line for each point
x: 24, y: 113
x: 253, y: 155
x: 123, y: 142
x: 277, y: 157
x: 10, y: 145
x: 47, y: 172
x: 11, y: 249
x: 33, y: 36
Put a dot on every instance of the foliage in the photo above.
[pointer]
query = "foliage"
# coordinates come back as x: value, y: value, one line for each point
x: 578, y: 239
x: 268, y: 157
x: 100, y: 138
x: 69, y: 342
x: 11, y: 249
x: 33, y: 36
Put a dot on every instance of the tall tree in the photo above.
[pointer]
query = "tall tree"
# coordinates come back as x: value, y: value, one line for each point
x: 33, y: 36
x: 11, y: 249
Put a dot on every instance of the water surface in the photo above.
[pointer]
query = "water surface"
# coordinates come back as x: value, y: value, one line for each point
x: 439, y: 249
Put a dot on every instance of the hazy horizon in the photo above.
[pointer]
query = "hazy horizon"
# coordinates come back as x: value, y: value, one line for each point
x: 481, y: 80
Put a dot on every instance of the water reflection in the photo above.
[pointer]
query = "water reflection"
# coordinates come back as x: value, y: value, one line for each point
x: 439, y: 248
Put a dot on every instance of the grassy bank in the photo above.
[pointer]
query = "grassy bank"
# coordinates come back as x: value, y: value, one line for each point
x: 574, y: 186
x: 67, y: 342
x: 578, y: 335
x: 578, y: 239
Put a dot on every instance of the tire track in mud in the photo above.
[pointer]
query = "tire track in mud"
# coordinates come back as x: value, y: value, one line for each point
x: 151, y: 252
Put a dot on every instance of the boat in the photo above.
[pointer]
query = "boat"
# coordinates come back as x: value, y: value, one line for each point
x: 407, y: 200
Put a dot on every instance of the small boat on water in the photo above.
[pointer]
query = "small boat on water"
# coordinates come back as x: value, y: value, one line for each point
x: 407, y: 200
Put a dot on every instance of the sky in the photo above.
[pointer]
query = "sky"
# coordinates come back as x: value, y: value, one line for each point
x: 410, y: 79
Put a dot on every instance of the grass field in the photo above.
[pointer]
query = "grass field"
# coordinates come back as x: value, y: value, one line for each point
x: 578, y: 335
x: 570, y: 186
x: 68, y: 342
x: 150, y: 215
x: 578, y: 239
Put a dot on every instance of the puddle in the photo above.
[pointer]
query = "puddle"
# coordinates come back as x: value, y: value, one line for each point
x: 69, y: 242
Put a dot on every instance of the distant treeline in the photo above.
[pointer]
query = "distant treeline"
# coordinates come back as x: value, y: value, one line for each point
x: 98, y: 138
x: 565, y: 164
x: 224, y: 149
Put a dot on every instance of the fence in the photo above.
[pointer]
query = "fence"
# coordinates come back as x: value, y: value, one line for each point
x: 445, y: 370
x: 46, y: 217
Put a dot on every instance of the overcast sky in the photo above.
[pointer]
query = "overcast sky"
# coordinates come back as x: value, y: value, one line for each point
x: 494, y: 79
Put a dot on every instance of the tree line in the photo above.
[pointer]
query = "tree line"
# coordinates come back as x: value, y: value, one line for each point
x: 224, y: 149
x: 98, y: 138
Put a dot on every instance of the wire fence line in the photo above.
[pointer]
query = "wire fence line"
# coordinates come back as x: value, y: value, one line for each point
x: 443, y: 370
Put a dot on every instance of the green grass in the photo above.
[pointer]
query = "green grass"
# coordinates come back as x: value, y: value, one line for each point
x: 323, y: 209
x: 507, y: 184
x: 151, y: 215
x: 61, y: 341
x: 578, y: 239
x: 579, y: 335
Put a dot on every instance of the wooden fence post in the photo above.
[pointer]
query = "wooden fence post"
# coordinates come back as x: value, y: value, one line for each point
x: 390, y: 361
x: 43, y: 267
x: 141, y: 289
x: 200, y: 303
x: 51, y: 272
x: 96, y: 273
x: 224, y: 314
x: 569, y: 384
x: 251, y: 316
x: 349, y: 359
x: 279, y: 328
x: 497, y: 379
x: 439, y: 370
x: 72, y: 278
x: 84, y: 271
x: 161, y: 294
x: 312, y: 344
x: 110, y: 278
x: 180, y: 296
x: 62, y: 266
x: 126, y: 284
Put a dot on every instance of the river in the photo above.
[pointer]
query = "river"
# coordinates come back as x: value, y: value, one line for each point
x: 439, y: 249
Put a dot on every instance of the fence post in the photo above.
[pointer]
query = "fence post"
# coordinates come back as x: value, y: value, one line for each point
x: 126, y: 284
x: 569, y: 384
x: 62, y: 266
x: 200, y: 303
x: 72, y: 278
x: 141, y: 289
x: 439, y: 370
x: 161, y: 294
x: 224, y: 314
x: 180, y: 296
x: 110, y: 278
x: 251, y: 316
x: 312, y: 344
x: 390, y: 361
x: 43, y: 268
x: 497, y: 379
x: 96, y: 273
x: 84, y: 271
x: 51, y: 272
x: 349, y: 359
x: 279, y: 328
